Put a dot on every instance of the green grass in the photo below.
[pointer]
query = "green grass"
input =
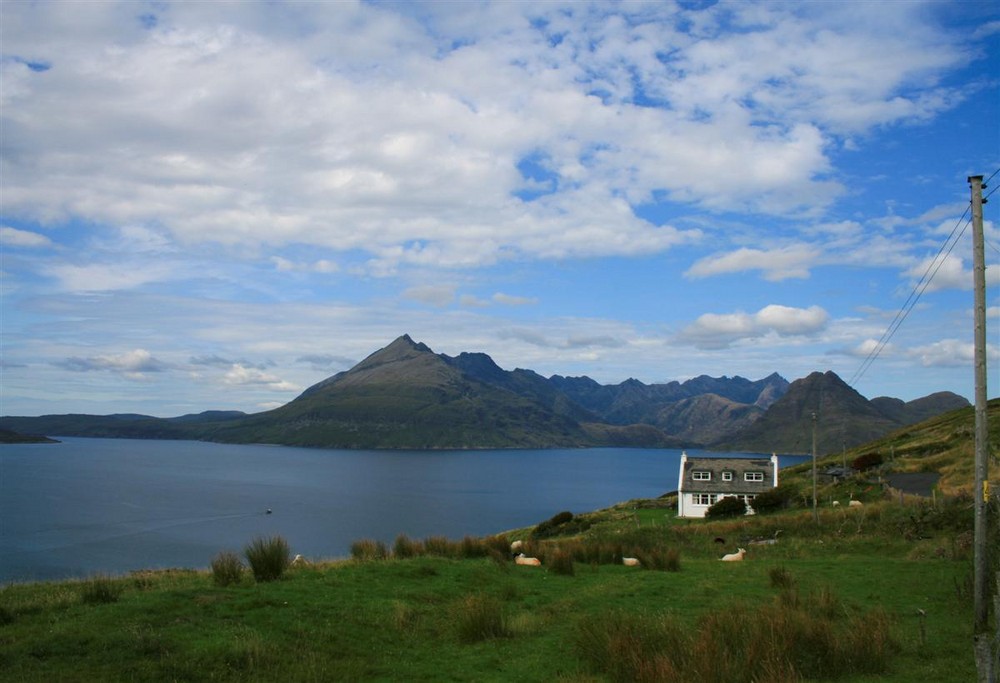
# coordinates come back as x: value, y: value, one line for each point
x: 464, y: 614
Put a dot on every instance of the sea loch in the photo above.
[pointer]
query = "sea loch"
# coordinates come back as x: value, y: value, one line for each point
x: 87, y: 506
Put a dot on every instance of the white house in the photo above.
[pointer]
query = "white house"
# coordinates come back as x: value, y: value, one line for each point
x: 703, y: 481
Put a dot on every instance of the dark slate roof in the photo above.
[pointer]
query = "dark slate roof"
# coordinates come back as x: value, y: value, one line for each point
x: 738, y: 466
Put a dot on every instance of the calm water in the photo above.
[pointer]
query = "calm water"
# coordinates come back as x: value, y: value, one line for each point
x: 113, y: 505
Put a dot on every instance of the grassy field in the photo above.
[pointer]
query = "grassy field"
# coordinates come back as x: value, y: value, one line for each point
x: 880, y: 593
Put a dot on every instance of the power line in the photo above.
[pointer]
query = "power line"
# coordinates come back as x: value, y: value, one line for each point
x: 915, y: 294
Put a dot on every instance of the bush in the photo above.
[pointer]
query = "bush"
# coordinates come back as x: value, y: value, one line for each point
x: 772, y: 499
x: 100, y: 589
x: 480, y: 617
x: 867, y: 461
x: 368, y: 549
x: 227, y: 568
x: 727, y: 507
x: 268, y: 557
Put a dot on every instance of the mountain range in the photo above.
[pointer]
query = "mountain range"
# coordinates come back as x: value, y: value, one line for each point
x: 406, y: 396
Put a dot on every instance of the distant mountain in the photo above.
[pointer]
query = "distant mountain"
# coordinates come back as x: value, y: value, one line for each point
x: 844, y: 418
x: 406, y: 396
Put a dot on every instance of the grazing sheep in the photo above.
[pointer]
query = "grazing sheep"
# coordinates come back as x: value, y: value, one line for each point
x: 735, y: 557
x: 516, y: 546
x: 855, y: 504
x: 836, y: 503
x: 528, y: 561
x: 631, y: 561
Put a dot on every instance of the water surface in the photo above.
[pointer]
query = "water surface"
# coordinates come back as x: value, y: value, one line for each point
x: 113, y: 505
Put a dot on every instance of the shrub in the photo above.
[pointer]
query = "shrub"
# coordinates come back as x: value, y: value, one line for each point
x: 268, y: 557
x: 227, y: 568
x: 867, y: 461
x: 561, y: 523
x: 727, y: 507
x: 772, y: 499
x: 100, y: 589
x: 480, y: 617
x: 368, y: 549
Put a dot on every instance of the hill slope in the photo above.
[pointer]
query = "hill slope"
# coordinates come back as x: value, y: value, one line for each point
x: 406, y: 396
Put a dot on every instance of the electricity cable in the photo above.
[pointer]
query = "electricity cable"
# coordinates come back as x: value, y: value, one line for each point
x: 915, y: 294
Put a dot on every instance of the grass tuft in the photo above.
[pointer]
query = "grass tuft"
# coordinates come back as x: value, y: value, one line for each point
x: 227, y: 568
x: 100, y: 589
x: 268, y: 558
x: 481, y: 617
x: 367, y: 549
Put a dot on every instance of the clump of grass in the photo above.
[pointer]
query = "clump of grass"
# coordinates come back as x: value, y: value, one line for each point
x: 473, y: 547
x: 801, y: 642
x: 633, y: 646
x: 367, y: 549
x: 268, y: 557
x: 100, y: 589
x: 560, y: 562
x: 227, y: 568
x: 405, y: 547
x: 439, y: 546
x: 781, y: 578
x: 481, y: 617
x: 661, y: 559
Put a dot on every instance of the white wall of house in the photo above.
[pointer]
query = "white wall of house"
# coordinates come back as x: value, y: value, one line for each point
x: 696, y: 504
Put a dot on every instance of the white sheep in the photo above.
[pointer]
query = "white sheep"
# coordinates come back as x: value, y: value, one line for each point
x: 631, y: 561
x: 516, y: 546
x: 735, y: 557
x: 855, y: 504
x: 836, y: 503
x: 299, y: 561
x: 529, y: 561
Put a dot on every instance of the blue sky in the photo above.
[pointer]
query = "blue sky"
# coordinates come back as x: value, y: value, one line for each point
x: 216, y: 205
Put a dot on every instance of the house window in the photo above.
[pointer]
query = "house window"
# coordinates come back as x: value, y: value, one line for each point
x: 754, y: 476
x: 703, y: 498
x: 701, y: 475
x: 727, y: 476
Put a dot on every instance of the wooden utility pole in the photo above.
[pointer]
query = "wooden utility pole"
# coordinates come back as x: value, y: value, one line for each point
x: 981, y: 632
x: 815, y: 510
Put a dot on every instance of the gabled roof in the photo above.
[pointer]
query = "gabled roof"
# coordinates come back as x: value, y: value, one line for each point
x: 716, y: 466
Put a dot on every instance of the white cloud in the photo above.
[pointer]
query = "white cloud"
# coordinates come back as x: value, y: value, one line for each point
x: 324, y: 154
x: 951, y: 353
x: 510, y: 300
x: 713, y: 330
x: 432, y: 295
x: 240, y: 375
x: 777, y: 264
x: 12, y: 237
x: 131, y: 364
x: 949, y: 272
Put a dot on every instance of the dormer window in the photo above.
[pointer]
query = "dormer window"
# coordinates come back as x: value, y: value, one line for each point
x: 701, y: 475
x: 727, y: 476
x: 754, y: 476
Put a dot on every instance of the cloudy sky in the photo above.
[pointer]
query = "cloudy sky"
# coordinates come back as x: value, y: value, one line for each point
x: 214, y: 205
